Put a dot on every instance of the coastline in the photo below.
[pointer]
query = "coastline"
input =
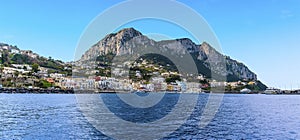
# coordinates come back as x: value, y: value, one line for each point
x: 71, y: 91
x: 36, y: 91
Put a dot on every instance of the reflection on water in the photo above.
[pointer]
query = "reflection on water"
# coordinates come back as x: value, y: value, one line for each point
x: 140, y: 115
x: 46, y: 116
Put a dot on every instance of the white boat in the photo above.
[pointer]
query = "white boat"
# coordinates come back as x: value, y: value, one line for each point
x: 245, y: 90
x: 272, y: 91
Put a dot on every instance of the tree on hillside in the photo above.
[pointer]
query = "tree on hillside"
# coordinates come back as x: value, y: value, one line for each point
x: 4, y: 57
x: 1, y: 70
x: 35, y: 67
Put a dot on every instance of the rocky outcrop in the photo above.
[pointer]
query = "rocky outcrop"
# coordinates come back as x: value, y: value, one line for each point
x: 112, y: 43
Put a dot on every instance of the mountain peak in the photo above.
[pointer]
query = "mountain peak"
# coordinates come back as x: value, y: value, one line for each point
x: 129, y: 32
x: 189, y: 44
x: 184, y: 39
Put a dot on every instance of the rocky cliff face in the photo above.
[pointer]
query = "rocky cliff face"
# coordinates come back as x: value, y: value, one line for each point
x: 112, y: 43
x: 204, y: 53
x: 210, y: 56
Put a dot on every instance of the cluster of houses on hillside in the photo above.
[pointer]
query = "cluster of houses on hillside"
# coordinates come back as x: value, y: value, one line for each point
x: 107, y: 84
x: 103, y: 84
x: 157, y: 82
x: 15, y: 50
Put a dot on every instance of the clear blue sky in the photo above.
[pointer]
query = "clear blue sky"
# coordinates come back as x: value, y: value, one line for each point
x: 263, y: 34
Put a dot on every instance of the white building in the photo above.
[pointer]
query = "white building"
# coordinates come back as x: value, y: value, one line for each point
x: 56, y: 75
x: 15, y: 51
x: 9, y: 70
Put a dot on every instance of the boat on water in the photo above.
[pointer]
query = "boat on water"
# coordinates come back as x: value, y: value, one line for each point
x: 272, y: 91
x: 246, y: 91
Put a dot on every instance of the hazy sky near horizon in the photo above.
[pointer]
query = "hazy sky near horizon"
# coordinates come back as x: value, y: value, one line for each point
x: 264, y: 35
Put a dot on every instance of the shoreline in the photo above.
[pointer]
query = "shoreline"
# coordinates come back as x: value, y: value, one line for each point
x: 36, y: 91
x: 71, y: 91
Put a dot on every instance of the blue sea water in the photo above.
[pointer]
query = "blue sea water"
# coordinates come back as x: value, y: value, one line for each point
x: 57, y: 116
